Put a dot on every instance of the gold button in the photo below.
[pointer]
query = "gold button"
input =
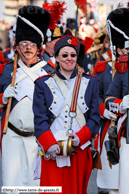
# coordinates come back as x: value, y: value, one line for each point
x: 16, y: 83
x: 54, y: 102
x: 81, y: 97
x: 65, y: 121
x: 66, y: 106
x: 85, y: 82
x: 51, y: 120
x: 51, y: 78
x: 54, y: 116
x: 65, y: 127
x: 54, y: 92
x: 81, y: 92
x: 49, y: 84
x: 83, y: 87
x: 66, y: 111
x: 52, y: 88
x: 86, y: 108
x: 41, y: 69
x: 15, y: 87
x: 55, y: 97
x: 50, y: 108
x: 82, y: 78
x: 65, y: 116
x: 83, y: 103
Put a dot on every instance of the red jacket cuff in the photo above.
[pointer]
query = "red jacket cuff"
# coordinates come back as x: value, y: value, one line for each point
x: 47, y: 139
x: 84, y: 135
x: 101, y: 109
x: 118, y: 101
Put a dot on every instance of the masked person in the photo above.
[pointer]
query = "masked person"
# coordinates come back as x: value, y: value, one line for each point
x: 18, y: 144
x: 53, y: 120
x: 117, y: 94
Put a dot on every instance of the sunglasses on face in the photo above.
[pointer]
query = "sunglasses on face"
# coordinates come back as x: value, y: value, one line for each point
x: 66, y: 55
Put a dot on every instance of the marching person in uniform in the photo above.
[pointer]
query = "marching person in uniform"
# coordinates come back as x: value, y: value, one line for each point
x: 19, y: 144
x: 57, y: 118
x: 107, y: 178
x: 117, y: 98
x: 51, y: 37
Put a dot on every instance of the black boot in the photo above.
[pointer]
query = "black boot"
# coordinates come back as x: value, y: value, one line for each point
x: 102, y: 191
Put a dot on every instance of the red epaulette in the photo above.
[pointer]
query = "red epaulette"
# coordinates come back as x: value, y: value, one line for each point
x: 91, y: 75
x: 2, y: 66
x: 42, y: 76
x: 100, y: 66
x: 121, y: 67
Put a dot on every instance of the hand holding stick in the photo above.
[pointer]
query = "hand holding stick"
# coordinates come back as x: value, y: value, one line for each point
x: 10, y: 99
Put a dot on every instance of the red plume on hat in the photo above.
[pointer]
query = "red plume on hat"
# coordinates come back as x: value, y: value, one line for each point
x: 88, y: 43
x: 56, y: 10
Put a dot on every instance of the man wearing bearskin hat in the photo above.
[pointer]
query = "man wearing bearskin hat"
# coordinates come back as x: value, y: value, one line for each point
x: 117, y: 98
x: 103, y: 63
x: 51, y: 37
x: 18, y: 144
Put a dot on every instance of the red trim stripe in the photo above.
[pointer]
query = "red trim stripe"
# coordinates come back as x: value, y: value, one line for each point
x: 50, y: 63
x: 104, y: 133
x: 73, y: 107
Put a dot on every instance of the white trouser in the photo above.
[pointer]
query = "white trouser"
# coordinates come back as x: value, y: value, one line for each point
x: 124, y: 167
x: 17, y: 158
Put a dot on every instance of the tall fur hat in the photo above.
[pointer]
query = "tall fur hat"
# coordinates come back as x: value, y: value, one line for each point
x: 118, y: 27
x: 32, y: 24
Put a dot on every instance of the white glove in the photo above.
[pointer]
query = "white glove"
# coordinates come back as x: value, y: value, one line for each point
x: 9, y: 92
x: 109, y: 115
x: 124, y: 105
x: 75, y: 140
x: 54, y: 149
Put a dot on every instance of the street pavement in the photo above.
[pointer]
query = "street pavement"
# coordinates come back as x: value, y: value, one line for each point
x: 92, y: 187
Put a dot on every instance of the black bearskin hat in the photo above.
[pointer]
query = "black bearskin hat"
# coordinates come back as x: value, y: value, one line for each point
x: 53, y: 34
x: 32, y: 24
x: 118, y: 27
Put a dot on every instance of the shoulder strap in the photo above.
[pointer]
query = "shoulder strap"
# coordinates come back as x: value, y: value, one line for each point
x: 29, y: 71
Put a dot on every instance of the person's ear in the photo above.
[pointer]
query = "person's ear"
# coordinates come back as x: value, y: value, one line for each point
x: 56, y: 58
x: 17, y: 48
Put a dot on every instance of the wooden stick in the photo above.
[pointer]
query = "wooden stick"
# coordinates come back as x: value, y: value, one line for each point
x: 10, y: 99
x: 100, y: 53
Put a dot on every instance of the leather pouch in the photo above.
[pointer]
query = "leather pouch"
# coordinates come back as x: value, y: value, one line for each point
x: 112, y: 151
x: 96, y: 159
